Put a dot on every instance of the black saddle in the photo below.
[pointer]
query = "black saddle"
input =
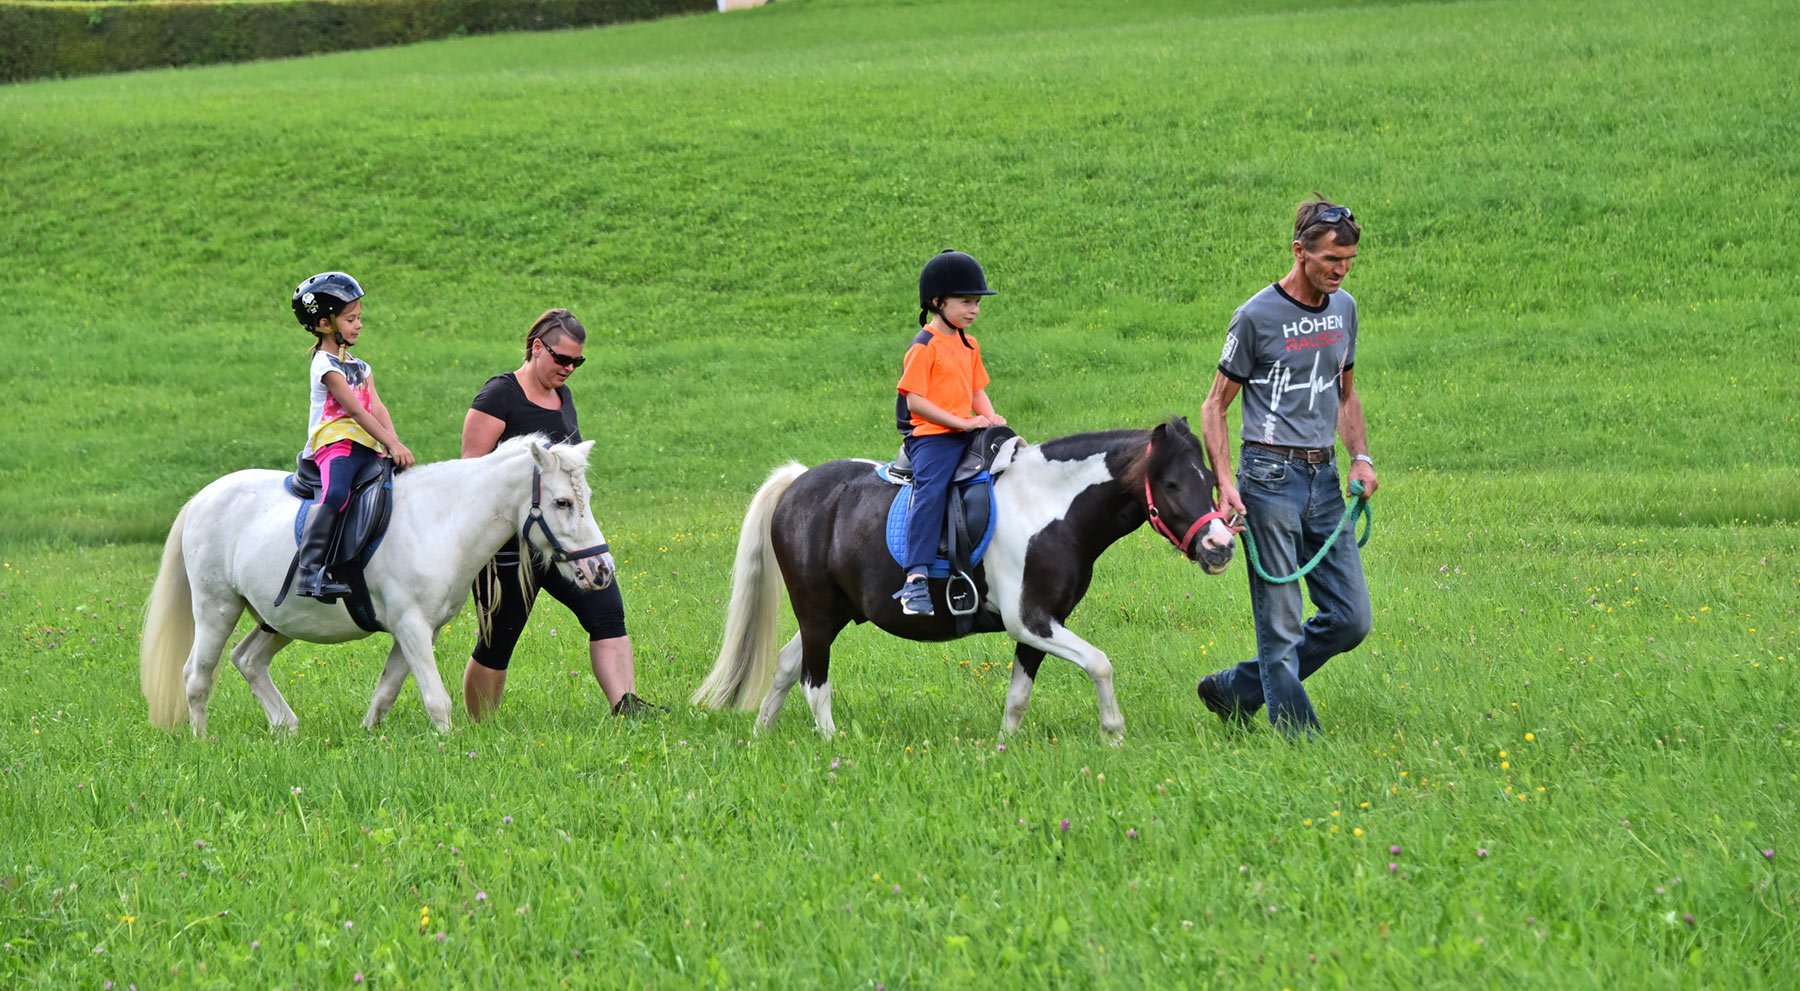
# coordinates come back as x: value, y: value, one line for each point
x: 359, y: 529
x: 985, y: 449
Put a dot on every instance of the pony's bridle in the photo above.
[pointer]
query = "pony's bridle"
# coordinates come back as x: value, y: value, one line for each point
x: 1181, y: 543
x: 536, y: 518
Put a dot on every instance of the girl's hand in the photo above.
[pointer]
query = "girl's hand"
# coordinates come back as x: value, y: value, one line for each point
x: 402, y: 456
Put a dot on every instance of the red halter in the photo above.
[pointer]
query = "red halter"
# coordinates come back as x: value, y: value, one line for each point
x: 1181, y: 543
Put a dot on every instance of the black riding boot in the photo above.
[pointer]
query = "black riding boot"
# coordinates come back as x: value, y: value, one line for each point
x: 310, y: 577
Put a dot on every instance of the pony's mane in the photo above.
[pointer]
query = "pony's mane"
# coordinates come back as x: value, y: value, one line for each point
x: 508, y: 448
x: 1132, y: 478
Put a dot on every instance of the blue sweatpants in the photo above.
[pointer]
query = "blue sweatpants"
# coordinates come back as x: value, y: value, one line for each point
x: 935, y: 458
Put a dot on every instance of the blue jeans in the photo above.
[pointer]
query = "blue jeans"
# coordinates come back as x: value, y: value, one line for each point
x: 935, y: 458
x: 1292, y: 508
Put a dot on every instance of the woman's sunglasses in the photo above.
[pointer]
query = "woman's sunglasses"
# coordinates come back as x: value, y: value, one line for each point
x: 567, y: 361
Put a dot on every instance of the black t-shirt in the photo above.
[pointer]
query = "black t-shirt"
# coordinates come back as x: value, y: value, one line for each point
x: 504, y: 399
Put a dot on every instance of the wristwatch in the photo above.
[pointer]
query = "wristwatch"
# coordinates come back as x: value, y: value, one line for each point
x: 1364, y: 458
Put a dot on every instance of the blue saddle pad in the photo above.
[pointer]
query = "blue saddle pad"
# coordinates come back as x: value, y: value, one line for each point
x: 979, y: 487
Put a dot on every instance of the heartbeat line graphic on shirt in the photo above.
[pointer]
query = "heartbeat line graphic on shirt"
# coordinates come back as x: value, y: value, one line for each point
x: 1280, y: 381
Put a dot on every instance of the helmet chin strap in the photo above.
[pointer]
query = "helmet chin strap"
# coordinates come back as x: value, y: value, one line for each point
x: 960, y: 331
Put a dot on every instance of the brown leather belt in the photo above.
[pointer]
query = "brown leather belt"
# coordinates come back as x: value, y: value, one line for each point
x: 1310, y: 455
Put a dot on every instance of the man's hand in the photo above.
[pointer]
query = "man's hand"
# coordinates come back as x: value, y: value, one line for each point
x: 1229, y: 502
x: 1364, y: 472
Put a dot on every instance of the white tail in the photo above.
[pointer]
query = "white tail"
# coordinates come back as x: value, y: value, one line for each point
x: 746, y: 665
x: 168, y: 635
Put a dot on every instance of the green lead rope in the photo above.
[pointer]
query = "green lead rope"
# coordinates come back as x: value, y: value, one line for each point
x: 1359, y: 506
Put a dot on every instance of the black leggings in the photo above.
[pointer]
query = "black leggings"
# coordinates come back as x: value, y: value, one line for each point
x: 601, y: 612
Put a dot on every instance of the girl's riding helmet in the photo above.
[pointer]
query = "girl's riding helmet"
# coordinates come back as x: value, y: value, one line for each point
x: 324, y: 295
x: 951, y: 273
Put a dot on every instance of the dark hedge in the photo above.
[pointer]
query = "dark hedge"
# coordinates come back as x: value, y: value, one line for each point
x: 73, y: 39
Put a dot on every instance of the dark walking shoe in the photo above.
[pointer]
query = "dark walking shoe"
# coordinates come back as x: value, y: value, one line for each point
x: 1216, y: 702
x: 915, y: 598
x: 630, y: 705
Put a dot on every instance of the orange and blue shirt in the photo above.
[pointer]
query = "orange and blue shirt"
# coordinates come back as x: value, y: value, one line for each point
x: 944, y: 368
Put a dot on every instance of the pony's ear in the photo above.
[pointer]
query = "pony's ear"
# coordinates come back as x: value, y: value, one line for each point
x: 581, y: 450
x: 1180, y: 426
x: 1159, y: 432
x: 541, y: 454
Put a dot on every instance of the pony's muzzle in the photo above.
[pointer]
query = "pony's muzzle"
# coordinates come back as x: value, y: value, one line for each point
x: 1213, y: 549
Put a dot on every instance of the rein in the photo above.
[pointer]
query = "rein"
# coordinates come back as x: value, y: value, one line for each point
x: 536, y: 518
x: 1181, y: 543
x: 1359, y: 506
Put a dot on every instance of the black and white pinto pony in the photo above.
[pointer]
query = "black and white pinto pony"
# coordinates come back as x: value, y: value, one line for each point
x: 229, y: 550
x: 1059, y: 506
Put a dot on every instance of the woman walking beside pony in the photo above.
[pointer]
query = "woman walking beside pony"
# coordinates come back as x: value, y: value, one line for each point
x: 535, y: 399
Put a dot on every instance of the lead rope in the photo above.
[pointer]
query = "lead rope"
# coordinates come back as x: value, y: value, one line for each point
x: 1359, y: 507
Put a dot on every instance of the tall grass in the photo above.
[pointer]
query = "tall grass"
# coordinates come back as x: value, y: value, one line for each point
x: 1575, y: 295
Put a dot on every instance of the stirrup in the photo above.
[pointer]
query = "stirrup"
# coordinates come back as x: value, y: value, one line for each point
x: 326, y: 591
x: 960, y: 594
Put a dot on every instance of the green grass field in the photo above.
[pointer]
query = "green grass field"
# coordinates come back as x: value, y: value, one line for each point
x: 1577, y: 720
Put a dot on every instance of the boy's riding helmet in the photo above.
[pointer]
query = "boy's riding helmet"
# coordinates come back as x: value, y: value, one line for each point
x: 324, y: 295
x: 951, y: 273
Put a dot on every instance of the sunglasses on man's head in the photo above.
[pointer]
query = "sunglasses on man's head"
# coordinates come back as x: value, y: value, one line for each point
x: 567, y: 361
x: 1329, y: 215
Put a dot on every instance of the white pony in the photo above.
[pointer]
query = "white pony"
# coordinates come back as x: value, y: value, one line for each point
x: 229, y: 550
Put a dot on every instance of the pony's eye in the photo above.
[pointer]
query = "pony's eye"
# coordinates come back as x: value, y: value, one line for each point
x: 565, y: 504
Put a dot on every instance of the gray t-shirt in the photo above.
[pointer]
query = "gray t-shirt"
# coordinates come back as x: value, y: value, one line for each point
x: 1288, y: 358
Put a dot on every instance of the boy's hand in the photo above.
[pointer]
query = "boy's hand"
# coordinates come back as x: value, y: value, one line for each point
x: 996, y: 420
x: 978, y: 421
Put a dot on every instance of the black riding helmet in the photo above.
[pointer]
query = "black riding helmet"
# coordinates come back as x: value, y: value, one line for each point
x: 324, y: 295
x: 950, y: 273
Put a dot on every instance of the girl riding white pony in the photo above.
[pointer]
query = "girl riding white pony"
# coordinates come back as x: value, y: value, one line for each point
x: 229, y: 549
